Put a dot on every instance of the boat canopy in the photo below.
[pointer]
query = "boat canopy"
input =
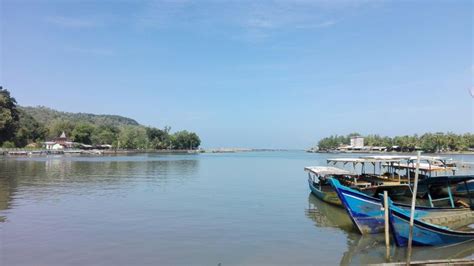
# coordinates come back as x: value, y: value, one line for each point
x: 364, y: 160
x: 427, y: 163
x: 426, y: 167
x: 327, y: 170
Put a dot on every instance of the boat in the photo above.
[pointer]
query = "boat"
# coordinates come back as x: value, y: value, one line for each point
x: 424, y: 232
x: 364, y: 165
x: 368, y: 183
x: 465, y: 189
x: 366, y: 211
x: 318, y: 177
x: 429, y: 166
x: 442, y: 188
x: 370, y: 249
x: 399, y: 168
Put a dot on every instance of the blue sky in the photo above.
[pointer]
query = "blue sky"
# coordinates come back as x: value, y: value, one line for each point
x: 268, y: 74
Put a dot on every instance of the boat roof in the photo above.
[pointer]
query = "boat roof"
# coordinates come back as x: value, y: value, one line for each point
x: 386, y: 159
x: 327, y: 170
x: 423, y: 167
x: 363, y: 160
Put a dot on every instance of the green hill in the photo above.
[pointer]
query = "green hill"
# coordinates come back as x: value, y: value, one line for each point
x: 47, y: 115
x: 22, y: 126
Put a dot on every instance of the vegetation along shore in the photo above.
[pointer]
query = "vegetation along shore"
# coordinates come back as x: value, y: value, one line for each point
x: 32, y: 127
x: 429, y: 142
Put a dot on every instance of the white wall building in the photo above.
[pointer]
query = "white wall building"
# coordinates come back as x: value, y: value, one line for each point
x: 357, y: 142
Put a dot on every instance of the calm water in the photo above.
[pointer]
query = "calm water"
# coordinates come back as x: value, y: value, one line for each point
x: 206, y: 209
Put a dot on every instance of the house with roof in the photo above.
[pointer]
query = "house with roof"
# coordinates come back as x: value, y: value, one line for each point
x: 59, y: 143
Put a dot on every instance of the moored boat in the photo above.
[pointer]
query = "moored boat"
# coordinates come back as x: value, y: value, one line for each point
x: 318, y: 177
x: 424, y: 233
x: 366, y: 211
x: 465, y: 189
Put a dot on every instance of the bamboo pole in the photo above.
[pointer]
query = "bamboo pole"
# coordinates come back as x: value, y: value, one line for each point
x: 387, y: 236
x: 413, y: 203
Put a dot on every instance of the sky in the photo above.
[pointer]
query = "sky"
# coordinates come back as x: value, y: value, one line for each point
x: 260, y: 74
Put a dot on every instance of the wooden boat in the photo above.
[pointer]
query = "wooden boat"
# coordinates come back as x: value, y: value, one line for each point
x: 465, y: 189
x: 366, y: 211
x: 399, y: 168
x: 369, y: 179
x: 424, y: 232
x: 368, y: 183
x: 318, y: 177
x: 442, y: 188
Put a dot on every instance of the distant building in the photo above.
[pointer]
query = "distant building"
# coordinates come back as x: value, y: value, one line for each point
x: 59, y: 143
x: 357, y: 142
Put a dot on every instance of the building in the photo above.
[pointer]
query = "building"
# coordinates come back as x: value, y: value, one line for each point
x: 357, y: 142
x: 59, y: 143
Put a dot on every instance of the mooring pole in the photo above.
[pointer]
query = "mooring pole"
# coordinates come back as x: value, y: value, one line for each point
x: 387, y: 236
x: 413, y: 203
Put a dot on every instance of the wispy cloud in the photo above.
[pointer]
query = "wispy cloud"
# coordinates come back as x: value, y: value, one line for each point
x: 255, y: 21
x: 90, y: 51
x: 322, y: 24
x: 70, y: 22
x: 259, y: 23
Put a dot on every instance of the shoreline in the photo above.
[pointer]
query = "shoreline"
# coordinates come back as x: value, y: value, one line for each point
x: 95, y: 152
x: 408, y: 153
x: 43, y: 152
x: 25, y: 152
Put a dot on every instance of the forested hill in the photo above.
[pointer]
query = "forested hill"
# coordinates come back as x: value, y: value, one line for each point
x: 46, y: 115
x: 31, y: 126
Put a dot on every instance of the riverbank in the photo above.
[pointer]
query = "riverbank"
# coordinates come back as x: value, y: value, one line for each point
x: 25, y: 152
x: 391, y: 152
x: 44, y: 152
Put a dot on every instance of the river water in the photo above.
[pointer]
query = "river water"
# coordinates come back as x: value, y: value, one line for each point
x: 196, y: 209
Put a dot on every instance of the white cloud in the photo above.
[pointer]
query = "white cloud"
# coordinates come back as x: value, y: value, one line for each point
x: 323, y: 24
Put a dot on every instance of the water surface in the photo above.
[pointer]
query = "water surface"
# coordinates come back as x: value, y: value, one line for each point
x: 196, y: 209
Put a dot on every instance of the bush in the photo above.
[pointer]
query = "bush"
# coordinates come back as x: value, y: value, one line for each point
x: 8, y: 145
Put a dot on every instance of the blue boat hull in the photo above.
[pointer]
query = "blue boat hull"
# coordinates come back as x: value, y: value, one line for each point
x: 424, y: 234
x: 366, y: 212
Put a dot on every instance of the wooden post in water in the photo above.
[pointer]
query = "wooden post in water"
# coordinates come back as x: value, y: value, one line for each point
x: 387, y: 236
x: 413, y: 203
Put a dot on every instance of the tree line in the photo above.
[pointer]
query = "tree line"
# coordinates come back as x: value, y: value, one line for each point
x: 428, y: 142
x: 30, y: 126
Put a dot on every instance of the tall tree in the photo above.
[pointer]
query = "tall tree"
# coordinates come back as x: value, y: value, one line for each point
x: 82, y: 133
x: 29, y: 130
x: 9, y: 117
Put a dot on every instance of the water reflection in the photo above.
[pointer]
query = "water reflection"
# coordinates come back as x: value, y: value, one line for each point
x: 5, y: 196
x: 369, y: 249
x: 48, y: 177
x: 326, y: 215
